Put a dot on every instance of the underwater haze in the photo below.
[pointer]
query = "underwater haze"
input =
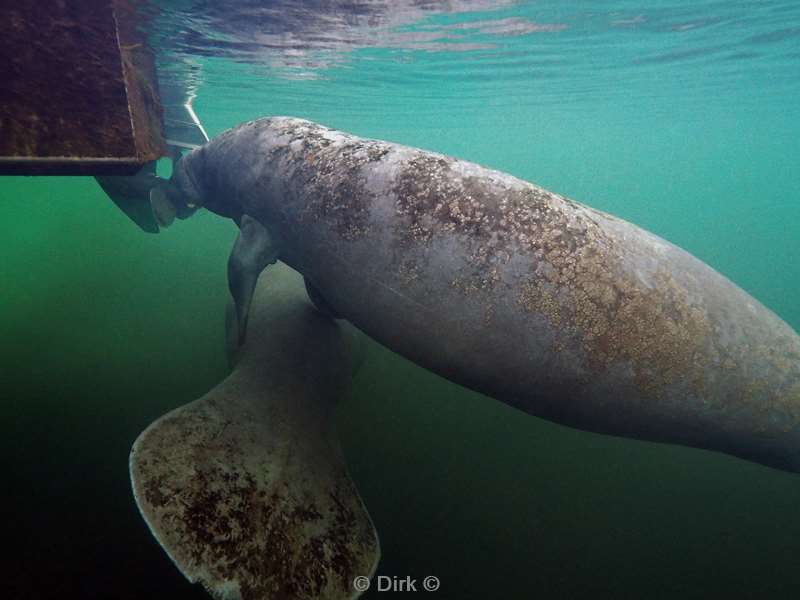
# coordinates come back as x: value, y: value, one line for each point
x: 680, y: 117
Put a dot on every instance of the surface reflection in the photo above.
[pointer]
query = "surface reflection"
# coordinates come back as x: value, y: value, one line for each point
x: 303, y: 34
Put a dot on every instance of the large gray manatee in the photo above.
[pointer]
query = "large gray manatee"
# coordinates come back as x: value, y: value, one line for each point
x: 560, y: 310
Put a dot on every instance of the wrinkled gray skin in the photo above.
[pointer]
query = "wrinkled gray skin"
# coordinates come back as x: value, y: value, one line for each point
x: 553, y: 307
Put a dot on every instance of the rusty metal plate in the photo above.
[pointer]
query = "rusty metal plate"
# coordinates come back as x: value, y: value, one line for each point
x: 78, y: 92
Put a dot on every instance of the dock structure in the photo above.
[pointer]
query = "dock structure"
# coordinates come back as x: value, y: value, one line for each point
x: 79, y: 92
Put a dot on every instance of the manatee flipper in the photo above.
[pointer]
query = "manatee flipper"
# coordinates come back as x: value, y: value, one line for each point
x: 253, y: 250
x: 246, y: 488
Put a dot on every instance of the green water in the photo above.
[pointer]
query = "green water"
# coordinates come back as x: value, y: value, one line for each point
x: 685, y: 122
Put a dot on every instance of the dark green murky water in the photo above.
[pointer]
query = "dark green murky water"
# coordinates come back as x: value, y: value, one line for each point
x: 682, y: 120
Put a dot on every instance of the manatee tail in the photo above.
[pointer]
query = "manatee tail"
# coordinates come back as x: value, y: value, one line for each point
x: 147, y: 199
x: 246, y: 488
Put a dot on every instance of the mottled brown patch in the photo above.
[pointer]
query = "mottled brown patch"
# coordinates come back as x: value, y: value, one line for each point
x: 330, y: 176
x: 773, y: 386
x: 653, y: 330
x: 575, y: 279
x: 494, y: 220
x: 228, y: 510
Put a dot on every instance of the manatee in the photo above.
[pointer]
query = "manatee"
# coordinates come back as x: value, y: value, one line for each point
x: 246, y: 488
x: 560, y: 310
